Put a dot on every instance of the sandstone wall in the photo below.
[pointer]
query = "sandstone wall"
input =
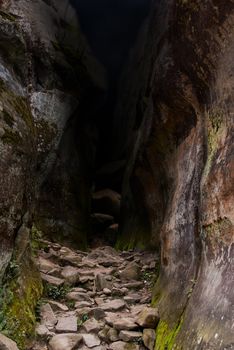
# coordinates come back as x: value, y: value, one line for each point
x: 178, y: 189
x: 45, y: 70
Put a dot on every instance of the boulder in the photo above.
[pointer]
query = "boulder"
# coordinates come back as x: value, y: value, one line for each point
x: 70, y: 274
x: 106, y: 201
x: 131, y: 272
x: 148, y: 318
x: 113, y: 335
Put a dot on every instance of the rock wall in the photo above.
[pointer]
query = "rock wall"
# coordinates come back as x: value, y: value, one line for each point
x: 46, y: 69
x: 178, y: 188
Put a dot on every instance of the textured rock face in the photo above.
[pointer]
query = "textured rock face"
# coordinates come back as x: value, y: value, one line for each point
x: 45, y: 72
x: 45, y: 69
x: 178, y: 188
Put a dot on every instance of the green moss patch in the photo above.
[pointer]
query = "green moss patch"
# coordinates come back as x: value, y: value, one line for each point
x: 215, y: 127
x: 22, y: 288
x: 166, y: 336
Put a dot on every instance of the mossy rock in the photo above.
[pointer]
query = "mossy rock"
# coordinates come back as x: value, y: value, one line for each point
x: 166, y: 336
x: 20, y: 294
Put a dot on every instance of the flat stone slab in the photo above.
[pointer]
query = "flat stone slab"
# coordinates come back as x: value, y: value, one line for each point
x: 92, y: 326
x: 130, y: 336
x: 55, y: 281
x: 120, y: 345
x: 66, y: 324
x: 56, y: 306
x: 125, y: 324
x: 133, y: 285
x: 113, y: 305
x: 81, y: 304
x: 132, y: 298
x: 65, y: 341
x: 121, y: 321
x: 78, y: 296
x: 91, y: 340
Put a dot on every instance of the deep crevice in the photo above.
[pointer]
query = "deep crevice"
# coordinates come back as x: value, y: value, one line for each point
x: 111, y: 29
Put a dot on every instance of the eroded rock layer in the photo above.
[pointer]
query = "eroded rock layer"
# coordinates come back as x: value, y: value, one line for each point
x: 178, y: 190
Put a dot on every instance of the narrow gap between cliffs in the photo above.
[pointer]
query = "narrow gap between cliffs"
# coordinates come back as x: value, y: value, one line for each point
x: 111, y: 28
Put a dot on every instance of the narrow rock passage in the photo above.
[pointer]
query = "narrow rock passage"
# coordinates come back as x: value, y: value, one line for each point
x: 95, y: 300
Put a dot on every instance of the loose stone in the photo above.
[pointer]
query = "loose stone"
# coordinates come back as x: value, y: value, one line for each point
x: 149, y: 338
x: 120, y: 345
x: 129, y: 336
x: 67, y: 324
x: 7, y: 344
x: 48, y: 317
x: 65, y: 341
x: 91, y: 340
x: 148, y: 318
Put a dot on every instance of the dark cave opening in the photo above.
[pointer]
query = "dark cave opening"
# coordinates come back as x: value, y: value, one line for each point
x: 80, y: 201
x: 111, y: 29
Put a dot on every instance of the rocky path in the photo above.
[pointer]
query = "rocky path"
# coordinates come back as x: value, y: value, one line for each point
x: 98, y: 300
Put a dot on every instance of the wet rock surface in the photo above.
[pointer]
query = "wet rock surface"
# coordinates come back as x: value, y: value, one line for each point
x: 101, y: 308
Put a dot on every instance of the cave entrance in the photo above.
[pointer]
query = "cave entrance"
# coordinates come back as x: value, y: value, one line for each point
x: 111, y: 28
x: 80, y: 200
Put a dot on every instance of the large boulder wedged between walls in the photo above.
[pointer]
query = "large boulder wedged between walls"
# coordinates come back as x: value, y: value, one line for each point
x: 106, y: 201
x: 178, y: 188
